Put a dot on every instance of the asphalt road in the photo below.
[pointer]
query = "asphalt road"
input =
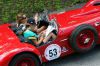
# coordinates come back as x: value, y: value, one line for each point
x: 91, y: 58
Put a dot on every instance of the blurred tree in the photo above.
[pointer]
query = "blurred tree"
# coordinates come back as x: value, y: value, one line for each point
x: 10, y: 8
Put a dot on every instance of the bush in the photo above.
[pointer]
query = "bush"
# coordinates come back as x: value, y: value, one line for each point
x: 10, y: 8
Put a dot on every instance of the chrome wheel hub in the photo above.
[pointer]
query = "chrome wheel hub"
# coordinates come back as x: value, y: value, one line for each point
x: 86, y: 40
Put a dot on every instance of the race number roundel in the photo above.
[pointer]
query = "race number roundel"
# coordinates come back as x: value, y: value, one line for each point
x: 52, y: 52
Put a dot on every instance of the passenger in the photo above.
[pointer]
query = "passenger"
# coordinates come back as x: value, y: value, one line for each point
x: 49, y: 36
x: 19, y: 25
x: 30, y: 32
x: 42, y: 28
x: 42, y: 25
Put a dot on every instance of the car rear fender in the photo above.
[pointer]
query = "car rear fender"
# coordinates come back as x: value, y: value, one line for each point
x: 7, y: 56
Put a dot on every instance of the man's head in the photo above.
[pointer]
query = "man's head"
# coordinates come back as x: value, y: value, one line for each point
x: 31, y: 22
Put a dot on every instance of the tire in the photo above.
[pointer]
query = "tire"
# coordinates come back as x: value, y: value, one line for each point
x: 25, y: 60
x: 83, y: 38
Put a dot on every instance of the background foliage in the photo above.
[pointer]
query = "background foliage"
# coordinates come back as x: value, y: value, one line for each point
x: 9, y: 8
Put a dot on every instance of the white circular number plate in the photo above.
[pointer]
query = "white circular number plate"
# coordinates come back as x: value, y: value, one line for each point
x: 52, y: 52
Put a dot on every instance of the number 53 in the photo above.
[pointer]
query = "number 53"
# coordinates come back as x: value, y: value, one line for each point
x: 53, y: 53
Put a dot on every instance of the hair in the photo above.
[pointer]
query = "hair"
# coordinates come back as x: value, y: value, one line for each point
x: 21, y: 16
x: 31, y: 21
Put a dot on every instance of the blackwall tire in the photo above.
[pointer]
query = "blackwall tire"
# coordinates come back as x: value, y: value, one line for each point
x: 24, y: 60
x: 83, y: 38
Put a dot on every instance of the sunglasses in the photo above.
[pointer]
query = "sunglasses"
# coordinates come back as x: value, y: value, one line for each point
x: 22, y: 17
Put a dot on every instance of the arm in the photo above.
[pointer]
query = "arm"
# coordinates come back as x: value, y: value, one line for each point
x: 37, y: 42
x: 49, y: 36
x: 41, y: 29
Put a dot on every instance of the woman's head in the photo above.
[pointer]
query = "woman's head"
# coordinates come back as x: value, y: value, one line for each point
x: 43, y: 23
x: 21, y: 18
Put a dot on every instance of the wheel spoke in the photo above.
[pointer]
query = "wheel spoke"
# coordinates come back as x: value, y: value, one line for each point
x: 85, y: 39
x: 26, y: 62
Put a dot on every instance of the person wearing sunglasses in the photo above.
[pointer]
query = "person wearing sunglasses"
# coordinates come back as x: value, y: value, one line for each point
x: 20, y: 25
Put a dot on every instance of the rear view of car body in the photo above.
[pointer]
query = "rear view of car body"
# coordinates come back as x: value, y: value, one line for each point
x: 10, y: 46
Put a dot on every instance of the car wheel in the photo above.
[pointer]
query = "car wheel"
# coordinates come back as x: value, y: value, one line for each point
x: 24, y: 60
x: 83, y: 38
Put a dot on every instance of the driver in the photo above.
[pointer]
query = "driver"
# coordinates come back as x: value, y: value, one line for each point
x: 42, y: 27
x: 41, y: 24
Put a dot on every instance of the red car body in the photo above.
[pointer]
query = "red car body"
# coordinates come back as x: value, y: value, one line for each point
x: 10, y: 45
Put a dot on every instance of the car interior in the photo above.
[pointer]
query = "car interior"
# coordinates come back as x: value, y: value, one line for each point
x: 52, y: 27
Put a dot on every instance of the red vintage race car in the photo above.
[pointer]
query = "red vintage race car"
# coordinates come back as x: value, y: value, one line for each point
x: 77, y: 31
